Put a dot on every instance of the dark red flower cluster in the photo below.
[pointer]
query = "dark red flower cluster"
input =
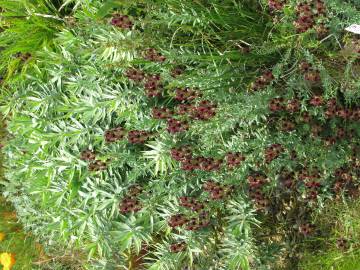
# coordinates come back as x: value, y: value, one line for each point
x: 177, y: 220
x: 272, y: 152
x: 115, y: 134
x: 279, y: 104
x: 321, y: 30
x: 306, y: 117
x: 135, y: 74
x: 316, y: 101
x: 192, y: 224
x: 97, y: 165
x: 186, y: 94
x: 342, y: 243
x: 330, y: 140
x: 307, y: 13
x: 152, y: 55
x: 263, y: 81
x: 175, y: 126
x: 234, y: 159
x: 341, y: 133
x: 307, y: 175
x: 191, y: 203
x: 343, y: 179
x: 276, y: 4
x: 153, y: 85
x: 204, y: 111
x: 87, y: 155
x: 138, y: 136
x: 320, y: 7
x: 184, y: 109
x: 306, y: 229
x: 316, y: 130
x: 334, y: 110
x: 181, y: 153
x: 305, y: 66
x: 162, y: 113
x: 131, y: 203
x: 287, y: 125
x: 122, y: 21
x: 261, y: 202
x: 256, y: 182
x: 304, y: 23
x: 199, y: 222
x: 190, y: 163
x: 177, y: 247
x: 310, y: 74
x: 276, y: 104
x: 177, y: 71
x: 293, y: 105
x: 312, y: 187
x: 217, y: 191
x: 201, y: 163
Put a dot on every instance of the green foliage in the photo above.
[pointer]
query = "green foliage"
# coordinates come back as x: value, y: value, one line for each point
x: 28, y: 26
x: 78, y: 90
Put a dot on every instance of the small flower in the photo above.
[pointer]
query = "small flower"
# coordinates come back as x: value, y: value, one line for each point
x: 7, y: 260
x: 304, y: 66
x: 276, y: 104
x: 152, y: 55
x: 121, y: 21
x: 275, y: 4
x: 293, y: 105
x: 312, y: 76
x: 204, y: 111
x: 316, y: 101
x: 138, y: 136
x: 87, y: 155
x: 342, y: 243
x: 261, y: 82
x: 135, y: 74
x: 115, y: 134
x: 161, y: 113
x: 97, y: 165
x: 234, y: 159
x: 177, y: 220
x: 185, y: 94
x: 177, y: 247
x: 320, y: 7
x: 174, y: 126
x: 287, y: 125
x: 306, y: 229
x: 177, y: 71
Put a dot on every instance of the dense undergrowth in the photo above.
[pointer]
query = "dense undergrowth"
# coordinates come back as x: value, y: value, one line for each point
x: 184, y: 134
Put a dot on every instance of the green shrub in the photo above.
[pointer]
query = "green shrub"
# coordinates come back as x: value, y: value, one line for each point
x: 217, y: 163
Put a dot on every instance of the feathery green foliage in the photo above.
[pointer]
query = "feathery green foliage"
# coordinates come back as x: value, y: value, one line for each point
x: 263, y: 142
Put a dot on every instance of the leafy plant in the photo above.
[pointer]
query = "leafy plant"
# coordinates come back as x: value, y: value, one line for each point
x: 186, y: 134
